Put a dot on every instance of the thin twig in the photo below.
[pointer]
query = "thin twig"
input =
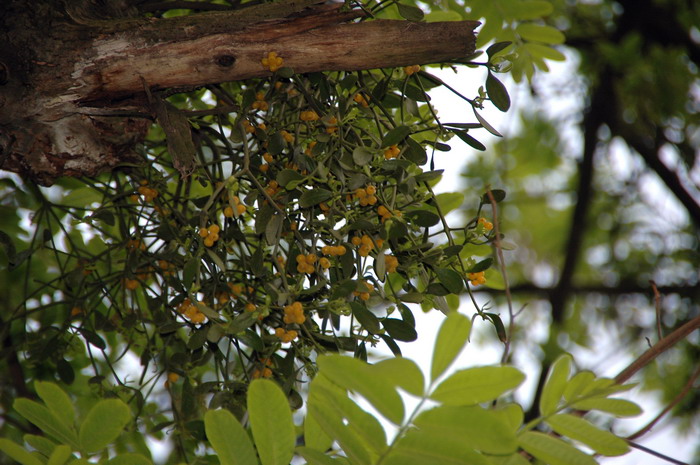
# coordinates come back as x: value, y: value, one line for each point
x: 657, y: 305
x: 657, y: 349
x: 502, y: 263
x: 686, y: 389
x: 656, y: 454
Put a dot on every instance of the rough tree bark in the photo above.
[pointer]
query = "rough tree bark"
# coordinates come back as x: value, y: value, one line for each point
x: 71, y: 76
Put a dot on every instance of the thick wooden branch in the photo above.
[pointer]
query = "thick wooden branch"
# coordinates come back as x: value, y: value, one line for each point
x: 304, y: 47
x: 59, y: 105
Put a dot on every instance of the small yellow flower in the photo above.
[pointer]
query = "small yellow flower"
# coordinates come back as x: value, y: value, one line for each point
x: 272, y: 62
x: 413, y: 69
x: 476, y: 279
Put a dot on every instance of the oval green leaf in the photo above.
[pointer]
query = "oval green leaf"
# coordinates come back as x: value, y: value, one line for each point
x: 355, y: 375
x: 228, y: 438
x: 497, y: 92
x: 399, y: 330
x: 603, y: 442
x: 451, y: 339
x: 46, y: 421
x: 403, y: 373
x: 476, y: 385
x: 57, y: 401
x: 452, y: 280
x: 314, y: 197
x: 103, y: 424
x: 614, y: 406
x: 410, y: 13
x: 18, y: 453
x: 540, y: 33
x: 553, y: 389
x: 395, y: 136
x: 552, y: 451
x: 271, y: 422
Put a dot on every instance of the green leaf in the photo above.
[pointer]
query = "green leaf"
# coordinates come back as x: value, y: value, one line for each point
x: 415, y: 152
x: 57, y: 401
x: 529, y: 10
x: 614, y: 406
x: 475, y: 427
x: 475, y: 385
x: 399, y: 329
x: 498, y: 326
x: 362, y: 156
x: 395, y: 136
x: 420, y: 448
x: 494, y: 49
x: 46, y: 421
x: 486, y: 124
x: 497, y: 92
x: 449, y: 201
x: 129, y: 459
x: 356, y: 376
x: 41, y: 443
x: 367, y: 319
x: 60, y: 455
x: 410, y: 13
x: 540, y: 33
x: 452, y: 280
x: 18, y: 453
x: 552, y: 451
x: 469, y: 140
x: 189, y: 271
x: 544, y: 51
x: 228, y: 438
x: 103, y: 424
x: 483, y: 265
x: 287, y: 177
x: 422, y: 218
x: 401, y: 372
x: 554, y: 386
x: 359, y: 434
x: 315, y: 436
x: 451, y: 339
x: 603, y: 442
x: 578, y: 383
x: 271, y: 422
x: 314, y: 197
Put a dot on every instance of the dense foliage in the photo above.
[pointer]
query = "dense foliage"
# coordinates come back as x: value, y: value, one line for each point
x: 309, y: 226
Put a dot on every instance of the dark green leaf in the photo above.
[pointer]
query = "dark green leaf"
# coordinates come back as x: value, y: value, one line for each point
x: 189, y: 271
x: 399, y: 329
x: 498, y: 325
x: 497, y: 92
x: 285, y: 72
x: 395, y: 136
x: 495, y: 48
x: 485, y: 124
x: 362, y: 156
x: 410, y: 13
x: 285, y: 177
x: 314, y: 197
x: 415, y: 152
x: 452, y: 280
x: 366, y: 318
x: 483, y: 265
x: 469, y: 140
x: 498, y: 196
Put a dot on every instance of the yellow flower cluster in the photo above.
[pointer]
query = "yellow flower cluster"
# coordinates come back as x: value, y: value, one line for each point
x: 191, y: 312
x: 286, y: 336
x: 248, y: 127
x: 287, y: 136
x: 260, y: 103
x: 364, y: 295
x: 210, y: 234
x: 310, y: 148
x: 331, y: 125
x: 272, y: 188
x: 166, y: 267
x: 333, y: 250
x: 409, y: 70
x: 392, y: 152
x: 236, y: 210
x: 148, y: 192
x: 391, y: 263
x: 486, y: 224
x: 361, y: 99
x: 386, y: 214
x: 272, y: 62
x: 366, y: 244
x: 476, y: 278
x: 366, y: 195
x: 264, y: 371
x: 294, y: 313
x: 305, y: 263
x: 308, y: 115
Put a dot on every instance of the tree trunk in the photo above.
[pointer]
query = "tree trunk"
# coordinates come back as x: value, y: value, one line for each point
x: 69, y: 76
